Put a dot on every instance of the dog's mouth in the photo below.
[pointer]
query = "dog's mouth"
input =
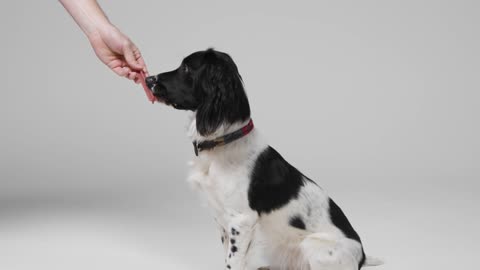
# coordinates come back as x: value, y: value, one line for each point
x: 159, y: 92
x: 156, y: 89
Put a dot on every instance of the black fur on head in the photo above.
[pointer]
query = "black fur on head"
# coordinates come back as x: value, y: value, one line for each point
x: 208, y: 83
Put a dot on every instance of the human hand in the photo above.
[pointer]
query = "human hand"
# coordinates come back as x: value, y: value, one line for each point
x: 118, y: 52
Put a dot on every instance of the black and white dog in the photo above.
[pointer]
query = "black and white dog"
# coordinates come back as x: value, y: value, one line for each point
x: 270, y: 214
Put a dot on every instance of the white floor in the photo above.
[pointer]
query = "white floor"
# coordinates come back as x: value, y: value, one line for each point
x: 406, y: 228
x: 133, y: 234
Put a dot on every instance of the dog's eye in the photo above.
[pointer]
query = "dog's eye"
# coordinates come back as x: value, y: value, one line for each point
x: 185, y: 69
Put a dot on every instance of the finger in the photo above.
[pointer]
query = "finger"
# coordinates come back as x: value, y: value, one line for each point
x: 142, y: 62
x: 122, y: 71
x: 132, y: 54
x: 126, y: 71
x: 138, y: 78
x: 116, y: 63
x: 132, y: 75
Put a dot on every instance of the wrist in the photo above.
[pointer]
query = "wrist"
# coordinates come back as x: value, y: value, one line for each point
x: 100, y: 29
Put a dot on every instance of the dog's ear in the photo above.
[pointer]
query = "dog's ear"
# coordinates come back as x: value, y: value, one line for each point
x: 225, y: 100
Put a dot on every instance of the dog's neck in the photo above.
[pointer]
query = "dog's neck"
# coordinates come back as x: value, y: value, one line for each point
x: 222, y: 130
x: 238, y: 148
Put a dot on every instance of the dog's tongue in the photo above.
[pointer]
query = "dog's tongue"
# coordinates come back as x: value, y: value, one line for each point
x: 148, y: 92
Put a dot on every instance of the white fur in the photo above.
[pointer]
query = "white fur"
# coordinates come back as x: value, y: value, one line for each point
x: 222, y: 175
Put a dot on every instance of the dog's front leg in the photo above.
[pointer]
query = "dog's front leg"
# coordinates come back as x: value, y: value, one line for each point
x: 225, y: 240
x: 240, y: 232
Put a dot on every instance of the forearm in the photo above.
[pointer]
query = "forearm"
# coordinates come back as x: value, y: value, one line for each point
x: 87, y: 14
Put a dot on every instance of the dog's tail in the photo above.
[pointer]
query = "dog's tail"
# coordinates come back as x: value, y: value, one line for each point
x: 372, y: 261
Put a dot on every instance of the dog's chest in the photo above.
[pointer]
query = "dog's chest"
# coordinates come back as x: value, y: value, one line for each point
x: 223, y: 185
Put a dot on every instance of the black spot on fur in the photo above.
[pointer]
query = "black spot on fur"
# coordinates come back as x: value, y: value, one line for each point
x: 232, y: 241
x: 297, y: 222
x: 228, y: 266
x: 223, y: 240
x: 341, y: 222
x: 234, y: 249
x: 274, y: 182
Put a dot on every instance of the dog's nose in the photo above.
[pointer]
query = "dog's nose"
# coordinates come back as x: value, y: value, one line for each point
x: 150, y: 81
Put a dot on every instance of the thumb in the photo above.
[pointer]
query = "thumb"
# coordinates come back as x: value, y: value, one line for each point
x: 132, y: 54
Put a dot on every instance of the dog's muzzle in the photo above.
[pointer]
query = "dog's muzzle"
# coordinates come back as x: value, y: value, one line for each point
x: 156, y: 88
x: 151, y: 81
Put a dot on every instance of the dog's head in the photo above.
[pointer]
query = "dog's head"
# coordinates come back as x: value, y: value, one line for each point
x: 208, y: 83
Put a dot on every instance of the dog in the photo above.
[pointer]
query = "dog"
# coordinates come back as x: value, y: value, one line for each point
x: 270, y: 215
